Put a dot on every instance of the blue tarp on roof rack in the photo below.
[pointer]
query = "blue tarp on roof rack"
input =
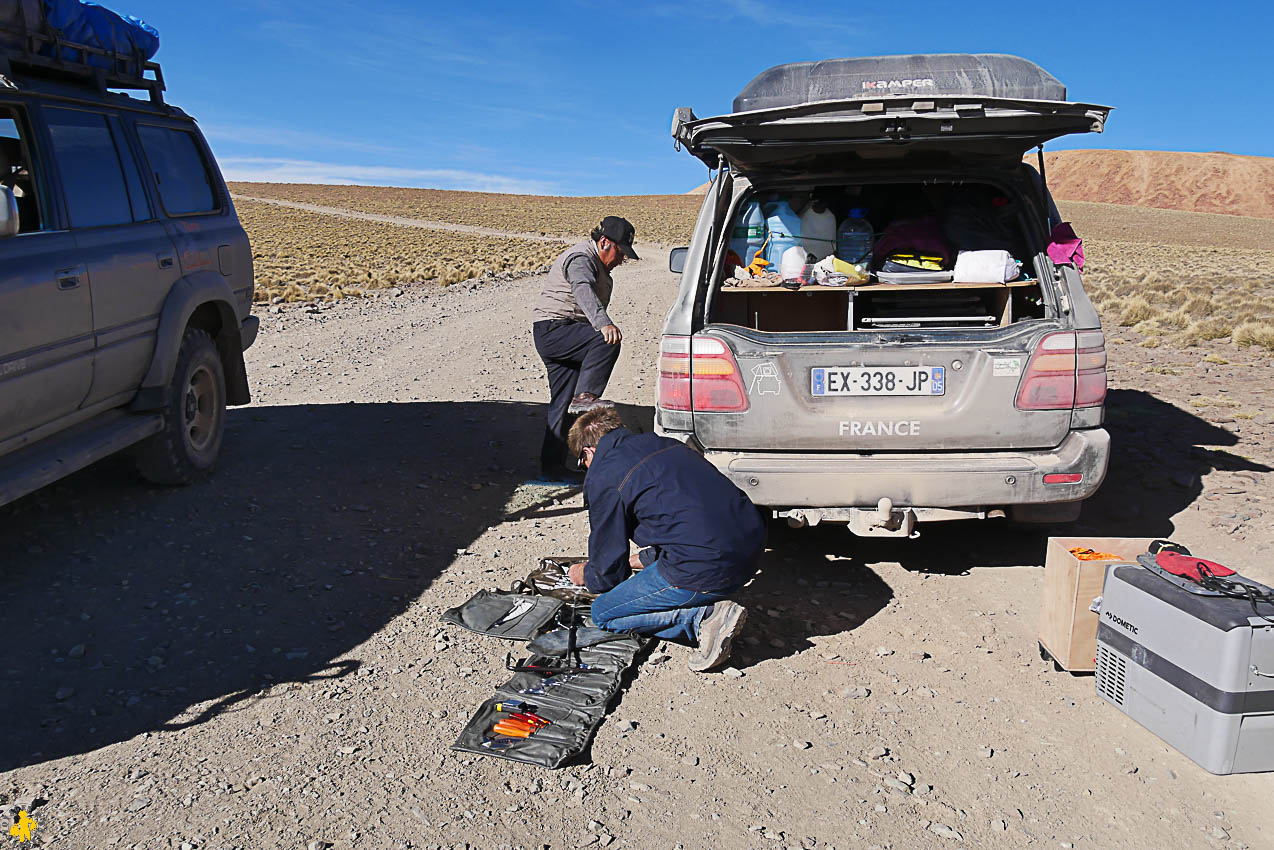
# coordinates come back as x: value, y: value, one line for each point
x: 95, y: 25
x: 37, y: 24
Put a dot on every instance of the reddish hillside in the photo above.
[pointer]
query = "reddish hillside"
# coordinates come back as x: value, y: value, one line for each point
x: 1194, y: 182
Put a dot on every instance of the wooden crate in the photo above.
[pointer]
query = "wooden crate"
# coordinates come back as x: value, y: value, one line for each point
x: 1068, y: 630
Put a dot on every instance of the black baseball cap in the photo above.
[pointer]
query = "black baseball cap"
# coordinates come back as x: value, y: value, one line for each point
x: 621, y: 232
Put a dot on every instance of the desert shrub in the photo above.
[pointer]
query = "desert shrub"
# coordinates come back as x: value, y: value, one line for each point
x: 1255, y: 333
x: 1136, y: 309
x: 1206, y: 329
x: 1198, y: 306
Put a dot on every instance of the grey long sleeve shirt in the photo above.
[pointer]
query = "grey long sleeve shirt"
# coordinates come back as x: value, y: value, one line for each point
x: 578, y: 288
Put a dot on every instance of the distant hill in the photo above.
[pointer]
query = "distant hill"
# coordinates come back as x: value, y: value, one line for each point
x: 1193, y: 182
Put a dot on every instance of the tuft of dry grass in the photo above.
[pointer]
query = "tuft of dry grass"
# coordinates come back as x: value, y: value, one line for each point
x: 1205, y: 330
x: 1135, y: 310
x: 1255, y: 333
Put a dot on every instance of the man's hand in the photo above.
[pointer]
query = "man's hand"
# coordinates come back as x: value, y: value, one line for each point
x: 611, y: 334
x: 634, y: 561
x: 576, y: 573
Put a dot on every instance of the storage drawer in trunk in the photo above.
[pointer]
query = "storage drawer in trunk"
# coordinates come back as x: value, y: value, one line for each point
x: 878, y: 306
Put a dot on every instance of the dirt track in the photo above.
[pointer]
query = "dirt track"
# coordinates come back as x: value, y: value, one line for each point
x: 257, y: 661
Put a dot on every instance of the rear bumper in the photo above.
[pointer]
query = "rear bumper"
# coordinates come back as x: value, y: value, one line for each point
x: 977, y: 480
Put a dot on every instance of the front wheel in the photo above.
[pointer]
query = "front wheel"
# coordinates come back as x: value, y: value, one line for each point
x: 194, y: 418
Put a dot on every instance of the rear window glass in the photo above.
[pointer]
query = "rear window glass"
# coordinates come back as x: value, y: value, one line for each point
x: 182, y: 175
x: 16, y: 171
x: 89, y: 163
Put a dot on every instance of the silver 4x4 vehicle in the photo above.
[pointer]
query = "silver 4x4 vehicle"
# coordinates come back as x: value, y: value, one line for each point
x: 921, y: 399
x: 125, y: 277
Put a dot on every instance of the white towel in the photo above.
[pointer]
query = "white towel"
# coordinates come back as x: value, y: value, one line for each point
x: 985, y: 267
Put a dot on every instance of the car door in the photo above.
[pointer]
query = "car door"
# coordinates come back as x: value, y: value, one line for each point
x: 46, y: 312
x: 126, y: 249
x: 207, y: 236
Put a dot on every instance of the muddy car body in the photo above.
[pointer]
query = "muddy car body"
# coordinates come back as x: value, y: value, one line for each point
x: 980, y: 401
x: 126, y: 279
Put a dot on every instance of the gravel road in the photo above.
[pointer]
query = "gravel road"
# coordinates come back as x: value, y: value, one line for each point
x: 257, y: 661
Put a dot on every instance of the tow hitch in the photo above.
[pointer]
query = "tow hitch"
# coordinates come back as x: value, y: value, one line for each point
x: 884, y: 521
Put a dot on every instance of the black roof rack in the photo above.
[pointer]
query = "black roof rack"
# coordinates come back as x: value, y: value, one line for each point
x: 30, y: 46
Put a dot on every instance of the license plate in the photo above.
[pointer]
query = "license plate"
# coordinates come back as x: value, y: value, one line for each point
x: 878, y: 380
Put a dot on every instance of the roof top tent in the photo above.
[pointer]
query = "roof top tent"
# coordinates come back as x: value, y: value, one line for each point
x: 84, y: 43
x: 985, y: 74
x: 805, y: 114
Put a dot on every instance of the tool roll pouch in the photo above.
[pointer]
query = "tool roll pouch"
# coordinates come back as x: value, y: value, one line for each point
x: 504, y: 614
x: 574, y: 703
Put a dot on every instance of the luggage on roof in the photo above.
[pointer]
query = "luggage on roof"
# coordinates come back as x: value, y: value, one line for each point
x: 974, y: 74
x: 70, y: 37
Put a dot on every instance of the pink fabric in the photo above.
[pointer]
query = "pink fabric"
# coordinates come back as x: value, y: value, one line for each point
x: 1065, y: 247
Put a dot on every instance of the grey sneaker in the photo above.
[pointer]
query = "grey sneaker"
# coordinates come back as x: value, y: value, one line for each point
x: 716, y: 632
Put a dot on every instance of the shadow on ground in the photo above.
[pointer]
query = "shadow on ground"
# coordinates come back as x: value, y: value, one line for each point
x: 131, y: 609
x: 812, y: 583
x: 816, y: 581
x: 1159, y: 455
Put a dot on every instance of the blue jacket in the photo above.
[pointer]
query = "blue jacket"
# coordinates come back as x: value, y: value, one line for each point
x: 657, y: 492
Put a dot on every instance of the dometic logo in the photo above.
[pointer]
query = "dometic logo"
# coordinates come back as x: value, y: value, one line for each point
x: 926, y: 83
x: 901, y: 428
x: 1121, y: 622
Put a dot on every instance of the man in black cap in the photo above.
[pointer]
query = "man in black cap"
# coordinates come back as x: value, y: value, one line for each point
x: 574, y: 336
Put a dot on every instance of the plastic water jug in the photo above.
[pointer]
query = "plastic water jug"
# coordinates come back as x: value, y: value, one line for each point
x: 793, y: 263
x: 818, y: 230
x: 784, y: 227
x: 854, y: 239
x: 749, y: 233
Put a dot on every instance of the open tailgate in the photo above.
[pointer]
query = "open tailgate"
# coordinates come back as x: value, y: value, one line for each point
x: 808, y: 136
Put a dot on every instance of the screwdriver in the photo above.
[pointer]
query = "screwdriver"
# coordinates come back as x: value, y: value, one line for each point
x: 508, y: 727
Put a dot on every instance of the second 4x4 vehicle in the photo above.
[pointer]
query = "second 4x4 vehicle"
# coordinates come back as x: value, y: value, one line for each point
x: 126, y: 279
x: 914, y: 395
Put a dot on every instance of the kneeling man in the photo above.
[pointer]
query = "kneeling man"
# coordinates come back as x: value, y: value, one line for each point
x: 704, y: 533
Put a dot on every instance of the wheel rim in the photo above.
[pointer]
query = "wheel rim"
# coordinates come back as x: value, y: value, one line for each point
x: 199, y: 409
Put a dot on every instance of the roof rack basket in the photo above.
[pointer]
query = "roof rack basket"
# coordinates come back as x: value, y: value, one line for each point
x: 29, y: 45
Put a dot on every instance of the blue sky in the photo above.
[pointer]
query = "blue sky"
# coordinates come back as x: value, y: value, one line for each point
x: 575, y: 97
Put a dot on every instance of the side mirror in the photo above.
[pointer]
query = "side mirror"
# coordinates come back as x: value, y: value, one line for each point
x: 677, y: 260
x: 8, y: 212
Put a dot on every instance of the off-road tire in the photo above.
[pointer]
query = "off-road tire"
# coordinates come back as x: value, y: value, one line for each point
x: 194, y: 417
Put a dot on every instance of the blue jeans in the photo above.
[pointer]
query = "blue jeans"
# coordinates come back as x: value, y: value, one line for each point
x: 647, y: 604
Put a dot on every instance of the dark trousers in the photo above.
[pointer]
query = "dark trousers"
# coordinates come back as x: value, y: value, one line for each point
x: 578, y: 360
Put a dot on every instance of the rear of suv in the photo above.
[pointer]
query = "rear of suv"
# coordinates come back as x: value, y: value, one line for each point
x: 126, y: 280
x: 903, y: 398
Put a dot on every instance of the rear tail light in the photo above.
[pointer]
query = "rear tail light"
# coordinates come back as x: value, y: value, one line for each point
x: 712, y: 375
x: 1066, y: 370
x: 1063, y: 478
